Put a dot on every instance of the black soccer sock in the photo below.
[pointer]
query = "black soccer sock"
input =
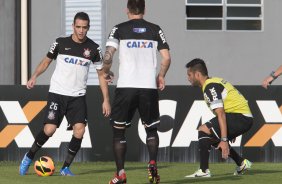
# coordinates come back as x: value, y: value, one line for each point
x: 73, y: 148
x: 204, y: 149
x: 235, y: 156
x: 119, y: 147
x: 40, y: 140
x: 152, y: 142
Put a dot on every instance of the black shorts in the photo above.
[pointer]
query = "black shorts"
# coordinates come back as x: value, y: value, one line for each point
x: 237, y: 124
x: 58, y: 106
x: 127, y: 100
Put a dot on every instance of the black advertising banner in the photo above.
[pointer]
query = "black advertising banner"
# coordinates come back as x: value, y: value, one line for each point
x: 182, y: 110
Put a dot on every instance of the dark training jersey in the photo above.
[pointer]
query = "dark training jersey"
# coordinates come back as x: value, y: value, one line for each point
x: 138, y: 41
x: 73, y: 61
x: 220, y: 93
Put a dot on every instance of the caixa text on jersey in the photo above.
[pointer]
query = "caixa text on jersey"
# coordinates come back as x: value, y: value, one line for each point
x: 140, y: 44
x: 77, y: 61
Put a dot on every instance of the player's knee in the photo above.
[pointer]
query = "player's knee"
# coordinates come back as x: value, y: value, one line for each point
x: 119, y: 125
x: 49, y: 129
x: 79, y: 130
x: 204, y: 128
x: 152, y: 133
x: 203, y: 135
x: 74, y: 145
x: 119, y: 134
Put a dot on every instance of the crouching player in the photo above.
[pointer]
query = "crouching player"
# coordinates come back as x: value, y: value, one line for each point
x: 233, y: 118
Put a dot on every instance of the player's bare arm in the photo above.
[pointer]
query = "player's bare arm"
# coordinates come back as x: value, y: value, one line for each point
x: 165, y: 63
x: 108, y: 60
x: 43, y: 65
x: 223, y: 145
x: 106, y: 107
x: 273, y: 75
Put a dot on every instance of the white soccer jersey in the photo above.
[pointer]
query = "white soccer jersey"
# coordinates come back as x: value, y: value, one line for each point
x: 138, y: 41
x: 73, y: 61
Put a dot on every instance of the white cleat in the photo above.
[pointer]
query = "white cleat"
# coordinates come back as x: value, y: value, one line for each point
x: 246, y: 165
x: 200, y: 174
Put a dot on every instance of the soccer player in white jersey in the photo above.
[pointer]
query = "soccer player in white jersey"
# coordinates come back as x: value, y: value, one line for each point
x: 66, y: 96
x: 138, y: 83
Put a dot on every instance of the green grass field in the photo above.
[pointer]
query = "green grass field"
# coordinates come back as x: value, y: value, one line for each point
x: 101, y: 173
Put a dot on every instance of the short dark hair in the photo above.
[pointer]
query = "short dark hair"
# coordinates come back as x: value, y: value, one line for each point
x: 136, y: 7
x: 199, y: 65
x: 81, y: 16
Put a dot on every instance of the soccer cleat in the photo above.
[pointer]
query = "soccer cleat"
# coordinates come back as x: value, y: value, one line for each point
x: 200, y: 174
x: 153, y: 175
x: 66, y: 172
x: 118, y: 179
x: 246, y: 165
x: 25, y: 165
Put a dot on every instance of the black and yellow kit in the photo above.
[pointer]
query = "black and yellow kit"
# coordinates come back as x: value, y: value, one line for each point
x: 220, y: 93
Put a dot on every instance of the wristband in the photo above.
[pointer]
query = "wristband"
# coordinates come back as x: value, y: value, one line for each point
x: 273, y: 76
x: 224, y: 139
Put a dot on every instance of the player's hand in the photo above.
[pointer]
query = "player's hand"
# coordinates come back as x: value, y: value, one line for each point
x: 109, y: 77
x: 223, y: 145
x: 160, y: 83
x: 30, y: 84
x: 267, y: 81
x: 106, y: 107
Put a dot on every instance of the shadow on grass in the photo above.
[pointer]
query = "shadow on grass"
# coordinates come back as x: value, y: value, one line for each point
x: 128, y: 168
x: 222, y: 177
x: 197, y: 180
x: 261, y: 171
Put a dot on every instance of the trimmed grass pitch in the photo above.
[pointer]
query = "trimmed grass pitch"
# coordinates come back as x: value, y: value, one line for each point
x: 102, y: 172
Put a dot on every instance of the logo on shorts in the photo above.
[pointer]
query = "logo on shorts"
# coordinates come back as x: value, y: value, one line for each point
x: 51, y: 115
x: 87, y: 53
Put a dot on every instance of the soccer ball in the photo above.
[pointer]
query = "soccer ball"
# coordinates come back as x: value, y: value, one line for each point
x: 44, y: 166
